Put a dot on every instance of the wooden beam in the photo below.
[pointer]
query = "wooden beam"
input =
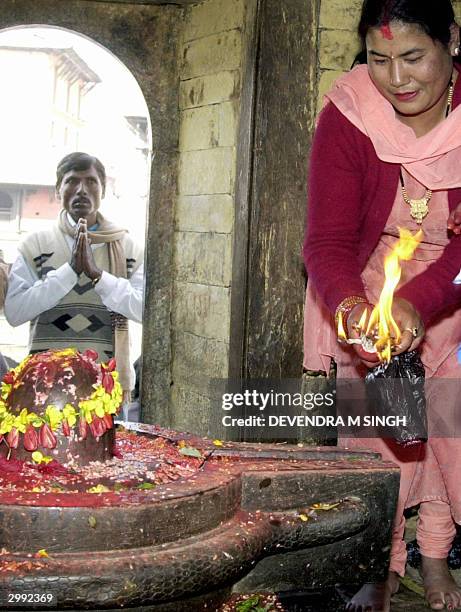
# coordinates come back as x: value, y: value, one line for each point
x: 237, y: 341
x: 273, y: 283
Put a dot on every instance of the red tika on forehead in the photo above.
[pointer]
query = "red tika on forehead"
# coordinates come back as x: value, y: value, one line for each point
x: 386, y: 31
x: 386, y: 28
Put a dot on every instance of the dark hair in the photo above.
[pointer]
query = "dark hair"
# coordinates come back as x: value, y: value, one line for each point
x: 434, y: 17
x: 80, y: 161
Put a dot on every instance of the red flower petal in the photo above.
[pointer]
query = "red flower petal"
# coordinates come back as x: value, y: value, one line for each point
x: 46, y: 437
x: 111, y: 364
x: 8, y: 378
x: 97, y: 427
x: 13, y: 466
x: 30, y: 439
x: 107, y: 418
x: 107, y: 382
x: 116, y: 453
x: 65, y: 428
x: 91, y: 354
x: 13, y: 438
x: 53, y: 468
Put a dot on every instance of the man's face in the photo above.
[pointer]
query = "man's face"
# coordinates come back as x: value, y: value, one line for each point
x: 80, y: 193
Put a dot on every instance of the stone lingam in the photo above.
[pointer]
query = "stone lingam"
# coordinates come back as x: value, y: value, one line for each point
x: 160, y: 520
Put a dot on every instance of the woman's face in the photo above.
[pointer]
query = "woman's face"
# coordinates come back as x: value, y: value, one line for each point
x: 411, y: 70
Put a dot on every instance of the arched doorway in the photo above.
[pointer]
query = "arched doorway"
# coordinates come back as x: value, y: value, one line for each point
x: 64, y: 92
x: 144, y: 38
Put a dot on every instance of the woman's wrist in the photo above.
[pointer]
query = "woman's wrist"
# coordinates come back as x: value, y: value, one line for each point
x: 345, y: 308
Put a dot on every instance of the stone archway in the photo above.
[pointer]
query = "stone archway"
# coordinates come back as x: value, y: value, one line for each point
x: 253, y: 70
x: 144, y: 38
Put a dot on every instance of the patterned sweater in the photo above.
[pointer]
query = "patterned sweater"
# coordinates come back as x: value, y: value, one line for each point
x: 80, y: 319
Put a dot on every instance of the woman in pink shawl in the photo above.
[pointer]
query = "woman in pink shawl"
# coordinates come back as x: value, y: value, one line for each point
x: 387, y: 141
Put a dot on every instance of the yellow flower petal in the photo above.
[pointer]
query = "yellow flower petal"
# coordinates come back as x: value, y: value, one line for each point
x: 37, y: 456
x: 303, y: 517
x: 42, y: 553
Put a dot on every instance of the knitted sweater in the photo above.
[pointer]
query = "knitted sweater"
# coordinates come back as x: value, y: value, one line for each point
x: 351, y: 193
x: 80, y: 319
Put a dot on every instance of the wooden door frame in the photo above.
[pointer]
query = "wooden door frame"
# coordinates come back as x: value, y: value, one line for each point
x: 277, y: 120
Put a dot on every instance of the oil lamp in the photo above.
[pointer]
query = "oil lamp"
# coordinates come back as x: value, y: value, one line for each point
x: 381, y: 334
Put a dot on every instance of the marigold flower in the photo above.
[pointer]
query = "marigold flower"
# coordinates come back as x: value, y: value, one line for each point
x: 70, y: 414
x: 20, y: 421
x: 6, y: 423
x: 54, y: 416
x: 5, y: 390
x: 39, y: 458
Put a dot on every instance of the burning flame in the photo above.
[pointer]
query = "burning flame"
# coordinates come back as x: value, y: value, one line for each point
x: 382, y: 324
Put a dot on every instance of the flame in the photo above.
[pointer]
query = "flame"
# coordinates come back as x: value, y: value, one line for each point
x: 382, y: 323
x: 341, y: 332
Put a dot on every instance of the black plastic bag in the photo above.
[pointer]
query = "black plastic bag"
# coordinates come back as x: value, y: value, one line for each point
x: 396, y: 389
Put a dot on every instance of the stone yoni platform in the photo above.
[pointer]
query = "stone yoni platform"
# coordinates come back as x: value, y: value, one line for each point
x: 106, y: 543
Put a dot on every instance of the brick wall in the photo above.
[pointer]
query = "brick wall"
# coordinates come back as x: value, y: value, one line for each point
x: 210, y: 64
x: 338, y: 41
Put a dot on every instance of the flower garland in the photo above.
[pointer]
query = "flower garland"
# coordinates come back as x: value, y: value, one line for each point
x: 93, y: 414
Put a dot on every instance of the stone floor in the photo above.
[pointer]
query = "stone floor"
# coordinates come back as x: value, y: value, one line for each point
x: 407, y: 600
x: 410, y: 597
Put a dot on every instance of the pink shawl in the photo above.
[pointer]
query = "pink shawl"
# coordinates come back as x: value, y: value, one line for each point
x: 432, y: 159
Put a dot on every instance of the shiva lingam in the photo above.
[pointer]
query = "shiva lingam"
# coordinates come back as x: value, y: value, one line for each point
x: 59, y: 406
x: 166, y: 520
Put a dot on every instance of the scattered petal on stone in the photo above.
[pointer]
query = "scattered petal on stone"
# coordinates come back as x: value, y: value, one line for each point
x: 320, y: 506
x: 41, y: 553
x: 190, y: 451
x: 92, y: 521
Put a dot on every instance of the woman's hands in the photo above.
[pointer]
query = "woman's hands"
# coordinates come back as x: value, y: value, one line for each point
x: 369, y: 359
x: 410, y: 324
x: 408, y: 320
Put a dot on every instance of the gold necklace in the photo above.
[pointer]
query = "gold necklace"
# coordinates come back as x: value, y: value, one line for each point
x: 419, y: 206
